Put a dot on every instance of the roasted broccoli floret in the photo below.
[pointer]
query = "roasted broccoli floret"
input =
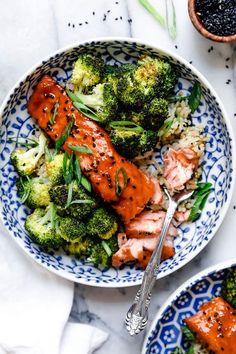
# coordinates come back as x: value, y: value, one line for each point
x: 114, y: 73
x: 155, y: 113
x: 71, y: 229
x: 152, y: 77
x: 88, y: 71
x: 81, y: 249
x: 54, y: 169
x: 102, y: 252
x: 26, y: 162
x: 228, y: 291
x: 131, y: 143
x: 42, y: 227
x: 75, y: 209
x: 34, y: 192
x: 131, y: 116
x: 102, y: 100
x: 161, y: 74
x: 102, y: 223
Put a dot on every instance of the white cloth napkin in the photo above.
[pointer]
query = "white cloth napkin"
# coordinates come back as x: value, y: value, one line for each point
x: 34, y: 308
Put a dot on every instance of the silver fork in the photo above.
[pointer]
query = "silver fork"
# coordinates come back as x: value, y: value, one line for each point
x: 137, y: 316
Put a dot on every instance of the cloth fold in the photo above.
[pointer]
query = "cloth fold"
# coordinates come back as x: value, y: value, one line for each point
x: 34, y: 308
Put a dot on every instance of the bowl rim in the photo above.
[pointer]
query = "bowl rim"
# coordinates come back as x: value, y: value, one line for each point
x: 202, y: 30
x: 182, y: 288
x: 201, y: 77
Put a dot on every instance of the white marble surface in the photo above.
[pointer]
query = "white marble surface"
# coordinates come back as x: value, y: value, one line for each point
x: 31, y: 29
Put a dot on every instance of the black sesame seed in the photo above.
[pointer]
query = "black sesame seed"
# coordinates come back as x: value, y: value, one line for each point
x: 93, y: 13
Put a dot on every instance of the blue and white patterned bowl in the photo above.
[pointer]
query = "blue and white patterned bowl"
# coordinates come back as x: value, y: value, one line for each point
x: 165, y: 333
x: 218, y: 162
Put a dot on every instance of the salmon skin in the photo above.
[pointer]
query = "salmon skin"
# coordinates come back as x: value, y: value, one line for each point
x: 104, y: 166
x: 215, y: 326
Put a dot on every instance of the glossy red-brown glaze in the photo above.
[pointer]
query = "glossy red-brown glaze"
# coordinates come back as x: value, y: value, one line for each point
x: 215, y: 326
x: 102, y: 165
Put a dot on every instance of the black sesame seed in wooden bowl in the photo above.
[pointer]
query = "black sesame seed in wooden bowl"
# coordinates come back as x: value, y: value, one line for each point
x: 214, y: 19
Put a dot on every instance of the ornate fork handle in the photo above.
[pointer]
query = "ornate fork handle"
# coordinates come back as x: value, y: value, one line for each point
x: 137, y: 316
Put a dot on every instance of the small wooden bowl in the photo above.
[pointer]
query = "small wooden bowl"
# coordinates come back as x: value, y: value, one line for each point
x: 201, y: 29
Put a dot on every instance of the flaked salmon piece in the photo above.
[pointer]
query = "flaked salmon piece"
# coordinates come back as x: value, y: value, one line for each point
x: 140, y: 250
x: 121, y: 239
x: 101, y: 167
x: 215, y: 326
x: 179, y: 166
x: 148, y: 224
x: 157, y: 197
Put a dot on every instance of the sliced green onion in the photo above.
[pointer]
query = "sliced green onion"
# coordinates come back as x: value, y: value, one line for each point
x: 49, y: 155
x: 27, y: 142
x: 171, y: 18
x: 77, y: 102
x: 70, y: 194
x: 26, y: 188
x: 119, y: 189
x: 146, y: 4
x: 188, y: 335
x: 67, y: 168
x: 77, y: 169
x: 81, y: 149
x: 53, y: 215
x: 165, y: 128
x: 126, y: 125
x: 81, y: 201
x: 201, y: 194
x: 64, y: 136
x: 55, y: 109
x: 106, y: 248
x: 194, y: 98
x: 73, y: 96
x: 85, y: 183
x: 87, y: 111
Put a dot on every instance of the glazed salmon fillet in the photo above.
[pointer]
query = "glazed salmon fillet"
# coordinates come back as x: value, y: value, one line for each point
x: 104, y: 164
x: 215, y: 326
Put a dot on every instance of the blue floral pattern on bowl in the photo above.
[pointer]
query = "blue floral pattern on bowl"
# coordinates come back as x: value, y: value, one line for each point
x: 165, y: 333
x: 218, y: 164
